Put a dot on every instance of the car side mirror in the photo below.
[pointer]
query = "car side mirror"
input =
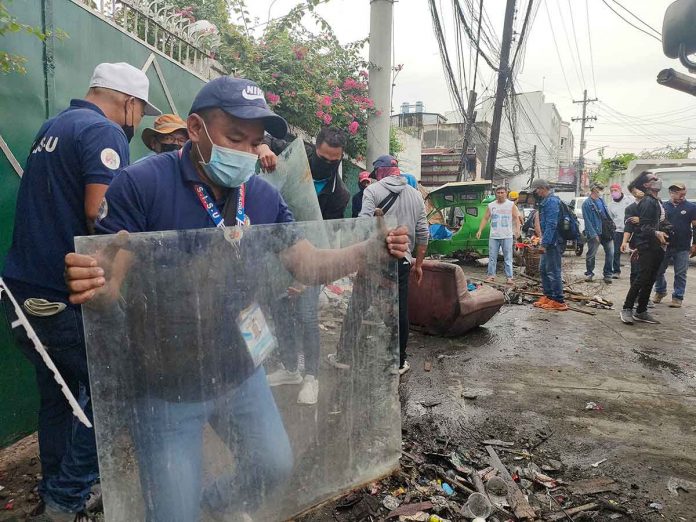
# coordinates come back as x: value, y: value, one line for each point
x: 679, y: 32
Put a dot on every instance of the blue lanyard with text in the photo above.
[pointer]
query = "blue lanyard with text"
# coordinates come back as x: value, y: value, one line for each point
x: 212, y: 209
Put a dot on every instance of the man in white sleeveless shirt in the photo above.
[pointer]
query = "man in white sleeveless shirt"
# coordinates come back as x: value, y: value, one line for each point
x: 505, y: 227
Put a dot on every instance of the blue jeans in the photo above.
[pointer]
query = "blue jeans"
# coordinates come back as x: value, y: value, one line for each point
x: 550, y: 270
x: 680, y: 259
x: 592, y: 247
x: 67, y: 448
x: 494, y: 246
x: 169, y: 445
x: 299, y: 324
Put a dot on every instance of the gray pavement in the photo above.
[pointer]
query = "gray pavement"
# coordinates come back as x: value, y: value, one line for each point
x: 536, y: 370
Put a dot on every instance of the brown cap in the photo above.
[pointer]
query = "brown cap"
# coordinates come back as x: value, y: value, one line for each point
x: 165, y: 124
x: 677, y: 186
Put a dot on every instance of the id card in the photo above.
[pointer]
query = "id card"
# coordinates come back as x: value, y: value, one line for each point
x: 256, y: 333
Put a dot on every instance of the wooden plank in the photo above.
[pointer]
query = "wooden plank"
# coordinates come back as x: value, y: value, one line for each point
x: 591, y: 486
x: 516, y: 498
x: 560, y: 515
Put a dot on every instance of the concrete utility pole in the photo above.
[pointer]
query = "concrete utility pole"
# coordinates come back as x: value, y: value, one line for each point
x: 380, y: 78
x: 688, y: 146
x: 501, y: 91
x: 584, y: 119
x: 470, y: 119
x: 531, y: 176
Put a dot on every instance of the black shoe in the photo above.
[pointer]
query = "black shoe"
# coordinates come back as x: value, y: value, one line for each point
x: 644, y: 317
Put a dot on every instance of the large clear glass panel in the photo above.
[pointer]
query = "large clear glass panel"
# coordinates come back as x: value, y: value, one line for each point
x: 180, y: 346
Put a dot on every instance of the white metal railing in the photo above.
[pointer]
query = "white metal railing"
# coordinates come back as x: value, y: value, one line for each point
x: 169, y: 29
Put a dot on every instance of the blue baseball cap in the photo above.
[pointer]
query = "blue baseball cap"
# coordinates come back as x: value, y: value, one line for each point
x: 385, y: 161
x: 242, y: 99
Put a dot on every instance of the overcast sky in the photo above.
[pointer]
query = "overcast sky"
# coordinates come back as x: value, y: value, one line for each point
x: 626, y: 63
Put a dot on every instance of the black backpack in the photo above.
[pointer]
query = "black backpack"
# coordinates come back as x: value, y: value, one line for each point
x: 568, y: 226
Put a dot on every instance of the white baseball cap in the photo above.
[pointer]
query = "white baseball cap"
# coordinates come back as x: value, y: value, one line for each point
x: 125, y: 78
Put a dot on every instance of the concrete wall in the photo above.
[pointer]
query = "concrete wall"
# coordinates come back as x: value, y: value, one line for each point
x: 566, y: 145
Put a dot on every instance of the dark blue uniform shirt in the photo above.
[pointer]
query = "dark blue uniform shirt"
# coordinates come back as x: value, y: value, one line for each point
x: 157, y: 194
x: 176, y: 323
x: 680, y: 216
x: 79, y: 146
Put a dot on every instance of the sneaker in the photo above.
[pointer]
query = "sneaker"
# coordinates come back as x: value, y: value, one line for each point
x: 644, y: 317
x: 608, y: 281
x: 616, y: 275
x: 282, y: 376
x: 657, y: 298
x: 555, y: 306
x: 309, y: 391
x: 651, y: 304
x: 626, y: 316
x: 336, y: 363
x: 676, y: 303
x: 589, y: 278
x: 405, y: 368
x: 541, y: 301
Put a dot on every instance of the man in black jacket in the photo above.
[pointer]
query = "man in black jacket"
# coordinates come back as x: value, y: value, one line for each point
x: 650, y: 242
x: 324, y: 160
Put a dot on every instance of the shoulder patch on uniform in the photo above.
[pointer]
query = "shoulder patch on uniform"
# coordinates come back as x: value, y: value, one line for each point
x: 110, y: 158
x: 103, y: 210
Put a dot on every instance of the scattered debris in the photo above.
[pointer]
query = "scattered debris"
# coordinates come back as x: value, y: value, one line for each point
x: 469, y: 395
x: 657, y: 506
x: 674, y: 484
x: 410, y: 509
x: 431, y: 403
x: 496, y: 442
x: 594, y: 406
x: 518, y: 502
x: 591, y: 486
x: 390, y: 502
x: 566, y: 513
x: 599, y: 462
x: 428, y: 365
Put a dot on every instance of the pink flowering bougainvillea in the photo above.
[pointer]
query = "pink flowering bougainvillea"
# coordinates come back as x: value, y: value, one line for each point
x: 322, y: 80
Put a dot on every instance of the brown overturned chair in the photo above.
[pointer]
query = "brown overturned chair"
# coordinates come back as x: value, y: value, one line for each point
x: 442, y: 305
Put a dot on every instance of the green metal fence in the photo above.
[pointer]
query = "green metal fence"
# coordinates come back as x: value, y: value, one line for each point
x: 58, y: 70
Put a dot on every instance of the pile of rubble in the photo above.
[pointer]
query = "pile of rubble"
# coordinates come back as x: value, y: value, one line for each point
x: 578, y: 295
x: 497, y: 481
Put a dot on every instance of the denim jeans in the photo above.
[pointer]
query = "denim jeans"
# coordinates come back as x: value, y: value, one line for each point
x: 680, y: 259
x: 494, y: 246
x: 550, y: 270
x: 592, y: 247
x: 169, y: 446
x: 67, y: 448
x: 299, y: 323
x: 618, y: 239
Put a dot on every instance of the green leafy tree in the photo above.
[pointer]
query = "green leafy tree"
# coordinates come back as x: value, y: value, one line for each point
x: 10, y: 62
x: 667, y: 152
x: 609, y: 167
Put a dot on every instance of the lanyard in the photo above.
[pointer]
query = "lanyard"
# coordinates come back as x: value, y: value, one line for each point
x: 212, y: 210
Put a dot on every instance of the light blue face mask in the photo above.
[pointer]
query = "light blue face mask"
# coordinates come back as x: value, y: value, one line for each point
x: 228, y: 167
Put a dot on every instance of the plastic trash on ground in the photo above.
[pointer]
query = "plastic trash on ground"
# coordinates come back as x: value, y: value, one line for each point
x: 187, y: 427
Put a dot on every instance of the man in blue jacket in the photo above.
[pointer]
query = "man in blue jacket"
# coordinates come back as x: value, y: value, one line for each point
x: 551, y: 247
x: 594, y: 211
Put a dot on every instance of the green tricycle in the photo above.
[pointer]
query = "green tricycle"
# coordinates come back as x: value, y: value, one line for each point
x: 469, y: 200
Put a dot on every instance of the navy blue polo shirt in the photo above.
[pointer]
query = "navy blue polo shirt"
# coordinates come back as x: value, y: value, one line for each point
x: 680, y: 216
x: 157, y: 194
x: 79, y: 146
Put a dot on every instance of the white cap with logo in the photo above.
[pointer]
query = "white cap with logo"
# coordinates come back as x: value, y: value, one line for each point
x: 125, y: 78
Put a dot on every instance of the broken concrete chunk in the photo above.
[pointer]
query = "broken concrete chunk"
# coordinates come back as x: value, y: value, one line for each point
x: 674, y: 484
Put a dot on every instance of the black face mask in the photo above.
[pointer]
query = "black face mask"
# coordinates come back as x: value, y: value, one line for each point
x: 128, y: 129
x: 321, y: 168
x: 169, y: 147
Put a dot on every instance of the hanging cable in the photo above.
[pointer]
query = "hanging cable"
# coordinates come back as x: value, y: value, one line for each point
x: 478, y: 38
x: 589, y: 40
x: 629, y: 23
x: 575, y: 38
x: 637, y: 18
x: 558, y: 52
